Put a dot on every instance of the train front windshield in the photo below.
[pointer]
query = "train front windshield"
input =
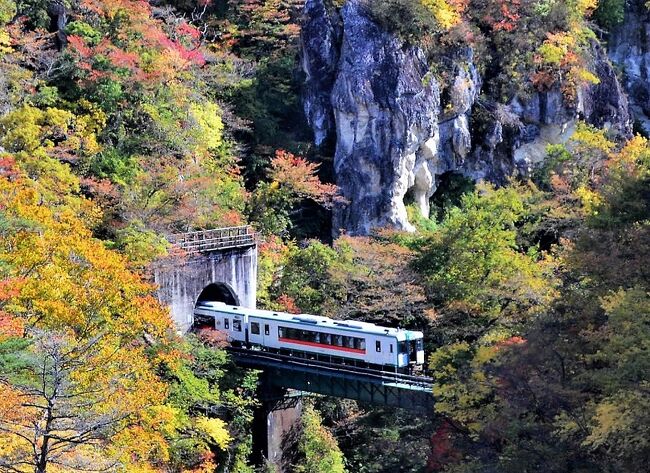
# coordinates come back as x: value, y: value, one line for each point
x: 413, y: 350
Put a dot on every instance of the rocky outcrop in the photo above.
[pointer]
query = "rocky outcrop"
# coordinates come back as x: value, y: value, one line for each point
x: 605, y: 104
x: 379, y: 101
x: 629, y: 49
x: 547, y: 119
x: 320, y: 46
x: 58, y: 20
x: 455, y: 135
x: 385, y: 110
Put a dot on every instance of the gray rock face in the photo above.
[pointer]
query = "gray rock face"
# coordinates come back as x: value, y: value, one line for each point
x: 605, y: 104
x: 629, y: 49
x: 385, y: 110
x: 455, y: 134
x: 320, y: 56
x: 547, y: 119
x: 378, y: 99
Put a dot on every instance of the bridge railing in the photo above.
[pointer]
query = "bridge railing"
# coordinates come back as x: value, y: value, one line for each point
x: 217, y: 239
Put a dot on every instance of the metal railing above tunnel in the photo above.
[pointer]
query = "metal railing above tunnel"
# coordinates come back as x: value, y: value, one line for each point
x: 378, y: 387
x: 214, y: 240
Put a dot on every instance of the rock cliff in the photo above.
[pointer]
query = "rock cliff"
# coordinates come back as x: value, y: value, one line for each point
x: 379, y: 100
x: 629, y: 49
x: 374, y: 94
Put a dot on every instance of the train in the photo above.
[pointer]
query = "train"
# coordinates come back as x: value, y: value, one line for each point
x: 346, y: 342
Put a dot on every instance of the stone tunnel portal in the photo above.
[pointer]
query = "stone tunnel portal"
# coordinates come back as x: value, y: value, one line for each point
x: 228, y: 276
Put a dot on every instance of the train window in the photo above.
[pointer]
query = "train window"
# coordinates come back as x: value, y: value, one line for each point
x: 362, y: 344
x: 391, y: 348
x: 236, y: 325
x: 348, y: 342
x: 281, y: 332
x: 226, y: 324
x: 267, y: 329
x: 401, y: 347
x: 326, y: 338
x: 378, y: 345
x: 358, y: 342
x: 337, y: 340
x: 255, y: 328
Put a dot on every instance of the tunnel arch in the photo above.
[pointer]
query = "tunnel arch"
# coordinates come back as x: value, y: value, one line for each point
x: 218, y: 292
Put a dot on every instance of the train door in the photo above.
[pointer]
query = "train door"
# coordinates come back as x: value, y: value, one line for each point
x: 238, y: 328
x: 419, y: 351
x: 403, y: 352
x: 255, y: 335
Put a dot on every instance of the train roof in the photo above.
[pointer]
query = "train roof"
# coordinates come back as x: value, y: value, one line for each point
x: 311, y: 320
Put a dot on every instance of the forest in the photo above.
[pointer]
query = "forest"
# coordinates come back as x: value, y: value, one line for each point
x: 125, y: 122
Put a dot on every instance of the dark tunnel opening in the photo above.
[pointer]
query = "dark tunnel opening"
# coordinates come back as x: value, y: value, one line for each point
x: 218, y: 292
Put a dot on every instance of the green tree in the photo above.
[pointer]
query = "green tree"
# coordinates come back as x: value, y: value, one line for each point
x: 475, y: 258
x: 316, y: 450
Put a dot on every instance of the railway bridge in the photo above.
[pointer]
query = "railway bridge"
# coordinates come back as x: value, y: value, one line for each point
x: 298, y: 372
x: 221, y: 265
x: 285, y: 378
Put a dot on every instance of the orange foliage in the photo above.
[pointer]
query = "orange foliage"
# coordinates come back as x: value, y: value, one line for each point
x: 510, y: 342
x: 507, y: 16
x: 288, y: 304
x: 212, y: 337
x: 442, y: 449
x: 60, y: 262
x: 140, y: 47
x: 10, y: 326
x: 8, y: 167
x: 300, y: 176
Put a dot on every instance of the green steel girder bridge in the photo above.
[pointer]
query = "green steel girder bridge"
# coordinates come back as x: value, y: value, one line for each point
x: 282, y: 372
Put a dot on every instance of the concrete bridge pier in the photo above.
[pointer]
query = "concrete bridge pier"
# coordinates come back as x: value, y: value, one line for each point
x: 278, y: 415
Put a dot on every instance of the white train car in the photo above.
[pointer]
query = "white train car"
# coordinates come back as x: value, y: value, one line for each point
x: 342, y: 341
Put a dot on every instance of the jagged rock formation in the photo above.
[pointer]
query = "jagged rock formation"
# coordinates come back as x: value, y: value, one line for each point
x: 385, y: 112
x: 377, y: 98
x: 547, y: 119
x: 455, y: 135
x: 320, y: 62
x: 629, y: 48
x: 58, y: 20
